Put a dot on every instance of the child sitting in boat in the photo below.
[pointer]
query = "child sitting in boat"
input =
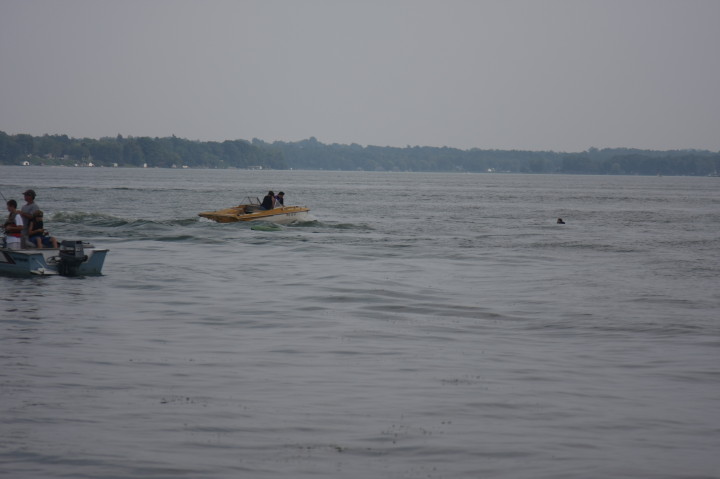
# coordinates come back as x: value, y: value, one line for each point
x: 37, y: 233
x: 13, y: 226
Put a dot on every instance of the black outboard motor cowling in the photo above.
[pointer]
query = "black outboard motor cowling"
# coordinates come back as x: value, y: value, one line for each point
x: 72, y: 255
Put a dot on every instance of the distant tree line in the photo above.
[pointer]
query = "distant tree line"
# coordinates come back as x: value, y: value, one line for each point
x: 166, y: 152
x: 311, y: 154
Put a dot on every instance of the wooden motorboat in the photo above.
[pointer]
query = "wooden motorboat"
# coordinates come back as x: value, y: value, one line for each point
x: 251, y: 210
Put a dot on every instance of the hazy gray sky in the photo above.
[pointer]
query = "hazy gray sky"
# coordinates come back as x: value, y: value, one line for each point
x: 562, y: 75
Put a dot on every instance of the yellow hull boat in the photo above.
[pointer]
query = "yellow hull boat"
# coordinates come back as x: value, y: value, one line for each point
x: 250, y: 210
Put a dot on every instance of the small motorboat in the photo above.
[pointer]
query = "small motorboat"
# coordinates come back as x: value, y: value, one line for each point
x: 72, y: 258
x: 251, y: 210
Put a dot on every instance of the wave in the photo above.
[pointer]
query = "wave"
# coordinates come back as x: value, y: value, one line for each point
x: 64, y: 224
x: 96, y: 219
x: 111, y: 221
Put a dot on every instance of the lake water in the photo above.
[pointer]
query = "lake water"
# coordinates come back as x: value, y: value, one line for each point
x: 421, y: 326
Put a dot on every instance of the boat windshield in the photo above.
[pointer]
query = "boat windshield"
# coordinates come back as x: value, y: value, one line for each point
x: 251, y: 200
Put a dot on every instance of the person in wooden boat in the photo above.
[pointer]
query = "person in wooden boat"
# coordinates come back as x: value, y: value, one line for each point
x: 27, y: 212
x: 280, y: 199
x: 38, y: 234
x: 268, y: 202
x: 13, y: 226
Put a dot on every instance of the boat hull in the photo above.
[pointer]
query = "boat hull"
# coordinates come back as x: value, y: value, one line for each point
x: 46, y: 262
x: 279, y: 215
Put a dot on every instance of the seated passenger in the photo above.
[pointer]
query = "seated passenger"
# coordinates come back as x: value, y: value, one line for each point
x: 38, y: 236
x: 268, y: 202
x: 280, y: 199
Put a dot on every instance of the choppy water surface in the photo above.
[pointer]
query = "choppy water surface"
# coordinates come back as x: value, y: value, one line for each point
x: 423, y: 325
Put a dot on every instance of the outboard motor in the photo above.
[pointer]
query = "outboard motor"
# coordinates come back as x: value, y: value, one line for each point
x: 72, y: 255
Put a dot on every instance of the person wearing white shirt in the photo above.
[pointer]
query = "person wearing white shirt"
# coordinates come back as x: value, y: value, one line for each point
x: 13, y: 226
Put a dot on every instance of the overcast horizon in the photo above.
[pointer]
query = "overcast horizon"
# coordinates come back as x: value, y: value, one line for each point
x: 556, y: 75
